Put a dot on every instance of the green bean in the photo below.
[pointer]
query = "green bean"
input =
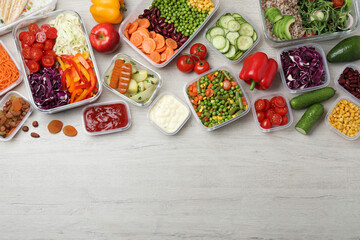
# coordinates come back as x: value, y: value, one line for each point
x: 217, y: 89
x: 241, y: 104
x: 207, y: 114
x: 198, y: 89
x: 233, y: 110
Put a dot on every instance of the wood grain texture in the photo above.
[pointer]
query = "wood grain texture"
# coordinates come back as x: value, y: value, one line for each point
x: 234, y: 183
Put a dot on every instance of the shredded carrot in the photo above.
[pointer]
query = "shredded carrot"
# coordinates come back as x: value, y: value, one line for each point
x: 8, y: 71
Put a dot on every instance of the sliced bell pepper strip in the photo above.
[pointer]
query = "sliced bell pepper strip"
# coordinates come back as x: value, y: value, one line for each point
x: 83, y: 61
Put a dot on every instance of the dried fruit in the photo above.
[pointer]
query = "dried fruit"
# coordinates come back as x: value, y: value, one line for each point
x: 70, y: 131
x: 35, y: 135
x: 55, y: 126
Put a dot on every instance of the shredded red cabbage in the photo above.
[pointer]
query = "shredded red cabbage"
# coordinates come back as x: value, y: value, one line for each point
x: 46, y: 88
x: 303, y: 68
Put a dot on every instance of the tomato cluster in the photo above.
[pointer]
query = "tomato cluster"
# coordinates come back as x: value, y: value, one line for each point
x: 37, y: 45
x: 271, y: 113
x: 195, y: 60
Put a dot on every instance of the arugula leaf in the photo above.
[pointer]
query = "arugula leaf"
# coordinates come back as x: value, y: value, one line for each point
x: 150, y: 75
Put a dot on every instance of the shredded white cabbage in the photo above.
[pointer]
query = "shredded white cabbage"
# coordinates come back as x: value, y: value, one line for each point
x: 71, y: 38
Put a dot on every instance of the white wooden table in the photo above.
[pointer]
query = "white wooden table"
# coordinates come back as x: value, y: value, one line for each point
x: 233, y: 183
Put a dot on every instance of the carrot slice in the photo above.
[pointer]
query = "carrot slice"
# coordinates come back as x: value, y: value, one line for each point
x: 127, y: 34
x: 171, y: 43
x: 149, y: 45
x: 133, y: 27
x: 160, y: 41
x: 163, y: 57
x: 128, y: 26
x: 161, y: 49
x: 145, y: 23
x: 155, y: 56
x: 169, y: 52
x: 153, y: 34
x: 143, y: 32
x: 136, y: 39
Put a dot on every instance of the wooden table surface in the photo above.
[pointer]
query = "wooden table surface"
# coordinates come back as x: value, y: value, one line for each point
x: 233, y: 183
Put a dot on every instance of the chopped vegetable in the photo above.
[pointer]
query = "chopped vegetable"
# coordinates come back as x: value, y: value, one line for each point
x: 8, y: 70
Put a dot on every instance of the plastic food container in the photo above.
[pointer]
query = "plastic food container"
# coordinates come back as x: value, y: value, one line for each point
x: 22, y: 26
x: 336, y: 80
x: 139, y: 10
x: 5, y: 28
x: 2, y: 103
x: 157, y: 126
x: 277, y: 128
x: 320, y: 50
x: 323, y: 37
x: 224, y: 123
x: 19, y: 80
x: 142, y: 67
x: 213, y: 23
x: 333, y: 128
x: 107, y: 131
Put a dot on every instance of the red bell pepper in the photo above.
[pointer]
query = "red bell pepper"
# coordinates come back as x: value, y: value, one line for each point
x: 259, y: 71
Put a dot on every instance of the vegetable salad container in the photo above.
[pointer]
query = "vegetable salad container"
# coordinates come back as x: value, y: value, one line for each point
x: 355, y: 84
x: 20, y: 74
x: 298, y: 71
x: 145, y: 83
x: 74, y: 65
x: 165, y: 27
x: 168, y: 113
x: 222, y: 99
x: 105, y: 118
x: 32, y: 8
x: 236, y: 32
x: 343, y: 118
x: 317, y: 15
x: 288, y: 114
x: 3, y: 101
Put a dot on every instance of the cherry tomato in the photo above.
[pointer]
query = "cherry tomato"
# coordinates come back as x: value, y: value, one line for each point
x: 51, y: 53
x: 226, y: 85
x: 33, y: 66
x: 45, y: 27
x: 185, y: 63
x: 266, y: 124
x: 276, y: 119
x: 260, y: 105
x: 278, y: 101
x: 21, y: 35
x: 38, y: 45
x: 260, y: 116
x: 199, y: 50
x: 270, y: 113
x: 40, y: 37
x: 26, y: 52
x: 49, y: 44
x: 34, y: 28
x: 201, y: 66
x: 51, y: 33
x: 36, y: 54
x: 267, y: 105
x: 29, y: 39
x: 209, y: 92
x: 337, y: 3
x: 281, y: 110
x: 48, y: 61
x: 24, y: 45
x: 285, y: 120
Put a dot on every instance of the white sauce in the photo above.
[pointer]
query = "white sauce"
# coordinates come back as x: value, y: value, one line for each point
x: 168, y: 113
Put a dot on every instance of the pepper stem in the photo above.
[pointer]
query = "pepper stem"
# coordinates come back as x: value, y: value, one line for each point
x: 253, y: 84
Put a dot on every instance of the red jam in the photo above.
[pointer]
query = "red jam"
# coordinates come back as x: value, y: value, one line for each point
x: 106, y: 117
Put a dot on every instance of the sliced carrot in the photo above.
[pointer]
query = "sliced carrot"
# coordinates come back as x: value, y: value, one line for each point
x: 155, y: 56
x: 171, y: 43
x: 128, y: 26
x: 143, y: 32
x: 169, y: 52
x: 127, y: 34
x: 144, y: 23
x: 161, y: 49
x: 160, y: 41
x: 152, y: 34
x: 133, y: 27
x: 163, y: 57
x: 136, y: 39
x: 149, y: 45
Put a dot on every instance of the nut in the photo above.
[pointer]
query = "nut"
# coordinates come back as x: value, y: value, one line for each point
x: 35, y: 135
x: 25, y: 128
x: 35, y: 124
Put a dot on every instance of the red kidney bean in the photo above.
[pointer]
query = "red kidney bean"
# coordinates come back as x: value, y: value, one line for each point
x: 350, y: 80
x: 164, y: 31
x: 157, y: 12
x: 184, y: 39
x: 163, y: 25
x: 141, y: 16
x: 171, y: 29
x: 157, y: 29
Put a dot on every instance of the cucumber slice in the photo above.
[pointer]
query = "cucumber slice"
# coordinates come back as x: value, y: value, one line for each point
x: 246, y: 30
x: 231, y: 53
x: 233, y: 26
x: 244, y: 43
x: 226, y: 31
x: 254, y: 37
x: 219, y: 42
x: 310, y: 117
x: 226, y: 48
x: 218, y: 24
x: 232, y: 36
x: 216, y: 31
x: 224, y: 20
x: 238, y: 55
x: 208, y: 37
x: 236, y: 15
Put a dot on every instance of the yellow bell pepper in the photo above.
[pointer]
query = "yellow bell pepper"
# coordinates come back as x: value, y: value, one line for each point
x: 108, y: 11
